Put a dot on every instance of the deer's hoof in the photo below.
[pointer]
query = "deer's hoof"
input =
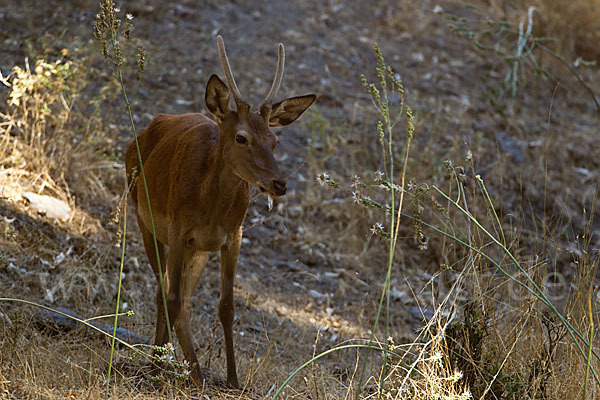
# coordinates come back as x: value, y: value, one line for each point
x: 200, y: 377
x: 226, y: 384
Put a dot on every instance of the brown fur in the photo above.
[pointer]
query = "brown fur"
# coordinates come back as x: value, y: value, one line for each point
x: 198, y: 173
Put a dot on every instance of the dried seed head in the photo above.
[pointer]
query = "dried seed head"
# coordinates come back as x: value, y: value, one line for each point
x: 141, y: 61
x: 363, y: 81
x: 410, y: 126
x: 380, y: 132
x: 127, y: 29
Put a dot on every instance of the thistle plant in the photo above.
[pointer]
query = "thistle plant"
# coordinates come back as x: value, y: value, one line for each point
x: 108, y: 32
x: 387, y: 86
x: 112, y: 34
x: 389, y: 83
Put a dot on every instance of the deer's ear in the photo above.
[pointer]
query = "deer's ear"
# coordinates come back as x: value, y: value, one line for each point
x: 287, y: 111
x: 217, y: 97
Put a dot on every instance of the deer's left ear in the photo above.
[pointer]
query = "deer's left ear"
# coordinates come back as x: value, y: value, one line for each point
x: 287, y: 111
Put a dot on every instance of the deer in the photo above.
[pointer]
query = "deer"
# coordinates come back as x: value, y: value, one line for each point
x: 198, y: 171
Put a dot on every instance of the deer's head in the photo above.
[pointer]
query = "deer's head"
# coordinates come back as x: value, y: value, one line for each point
x: 247, y: 139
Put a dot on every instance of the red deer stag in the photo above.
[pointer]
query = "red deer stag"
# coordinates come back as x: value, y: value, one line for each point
x: 198, y: 171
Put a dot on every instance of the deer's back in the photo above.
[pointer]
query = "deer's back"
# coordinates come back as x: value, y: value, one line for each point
x: 169, y: 142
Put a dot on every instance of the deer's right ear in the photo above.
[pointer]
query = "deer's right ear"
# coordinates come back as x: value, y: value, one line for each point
x: 217, y: 97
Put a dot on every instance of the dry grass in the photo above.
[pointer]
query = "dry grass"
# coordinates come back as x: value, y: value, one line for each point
x: 572, y: 25
x: 71, y: 263
x: 52, y: 137
x: 570, y: 28
x: 505, y: 346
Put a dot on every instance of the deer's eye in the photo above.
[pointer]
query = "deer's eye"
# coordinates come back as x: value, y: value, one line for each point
x: 241, y: 139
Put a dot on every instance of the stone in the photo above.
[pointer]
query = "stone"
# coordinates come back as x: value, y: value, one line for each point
x: 51, y: 207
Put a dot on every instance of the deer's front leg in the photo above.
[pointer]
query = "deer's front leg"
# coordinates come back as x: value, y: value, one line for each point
x: 229, y: 256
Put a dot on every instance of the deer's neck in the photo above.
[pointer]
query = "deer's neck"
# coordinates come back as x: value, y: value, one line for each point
x: 224, y: 186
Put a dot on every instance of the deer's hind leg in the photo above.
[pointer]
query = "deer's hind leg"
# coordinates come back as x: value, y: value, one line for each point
x: 194, y: 264
x: 161, y: 335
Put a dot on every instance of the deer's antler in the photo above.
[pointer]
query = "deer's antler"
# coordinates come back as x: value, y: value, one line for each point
x: 278, y: 77
x: 237, y: 97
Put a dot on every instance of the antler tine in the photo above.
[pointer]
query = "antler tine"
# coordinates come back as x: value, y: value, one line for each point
x: 228, y: 74
x: 278, y: 76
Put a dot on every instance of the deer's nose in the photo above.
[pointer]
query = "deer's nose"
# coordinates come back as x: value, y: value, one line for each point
x: 279, y: 187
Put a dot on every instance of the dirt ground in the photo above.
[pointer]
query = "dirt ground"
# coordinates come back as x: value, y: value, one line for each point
x: 310, y: 274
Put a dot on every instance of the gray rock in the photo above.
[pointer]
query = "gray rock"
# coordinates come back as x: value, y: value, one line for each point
x: 51, y: 207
